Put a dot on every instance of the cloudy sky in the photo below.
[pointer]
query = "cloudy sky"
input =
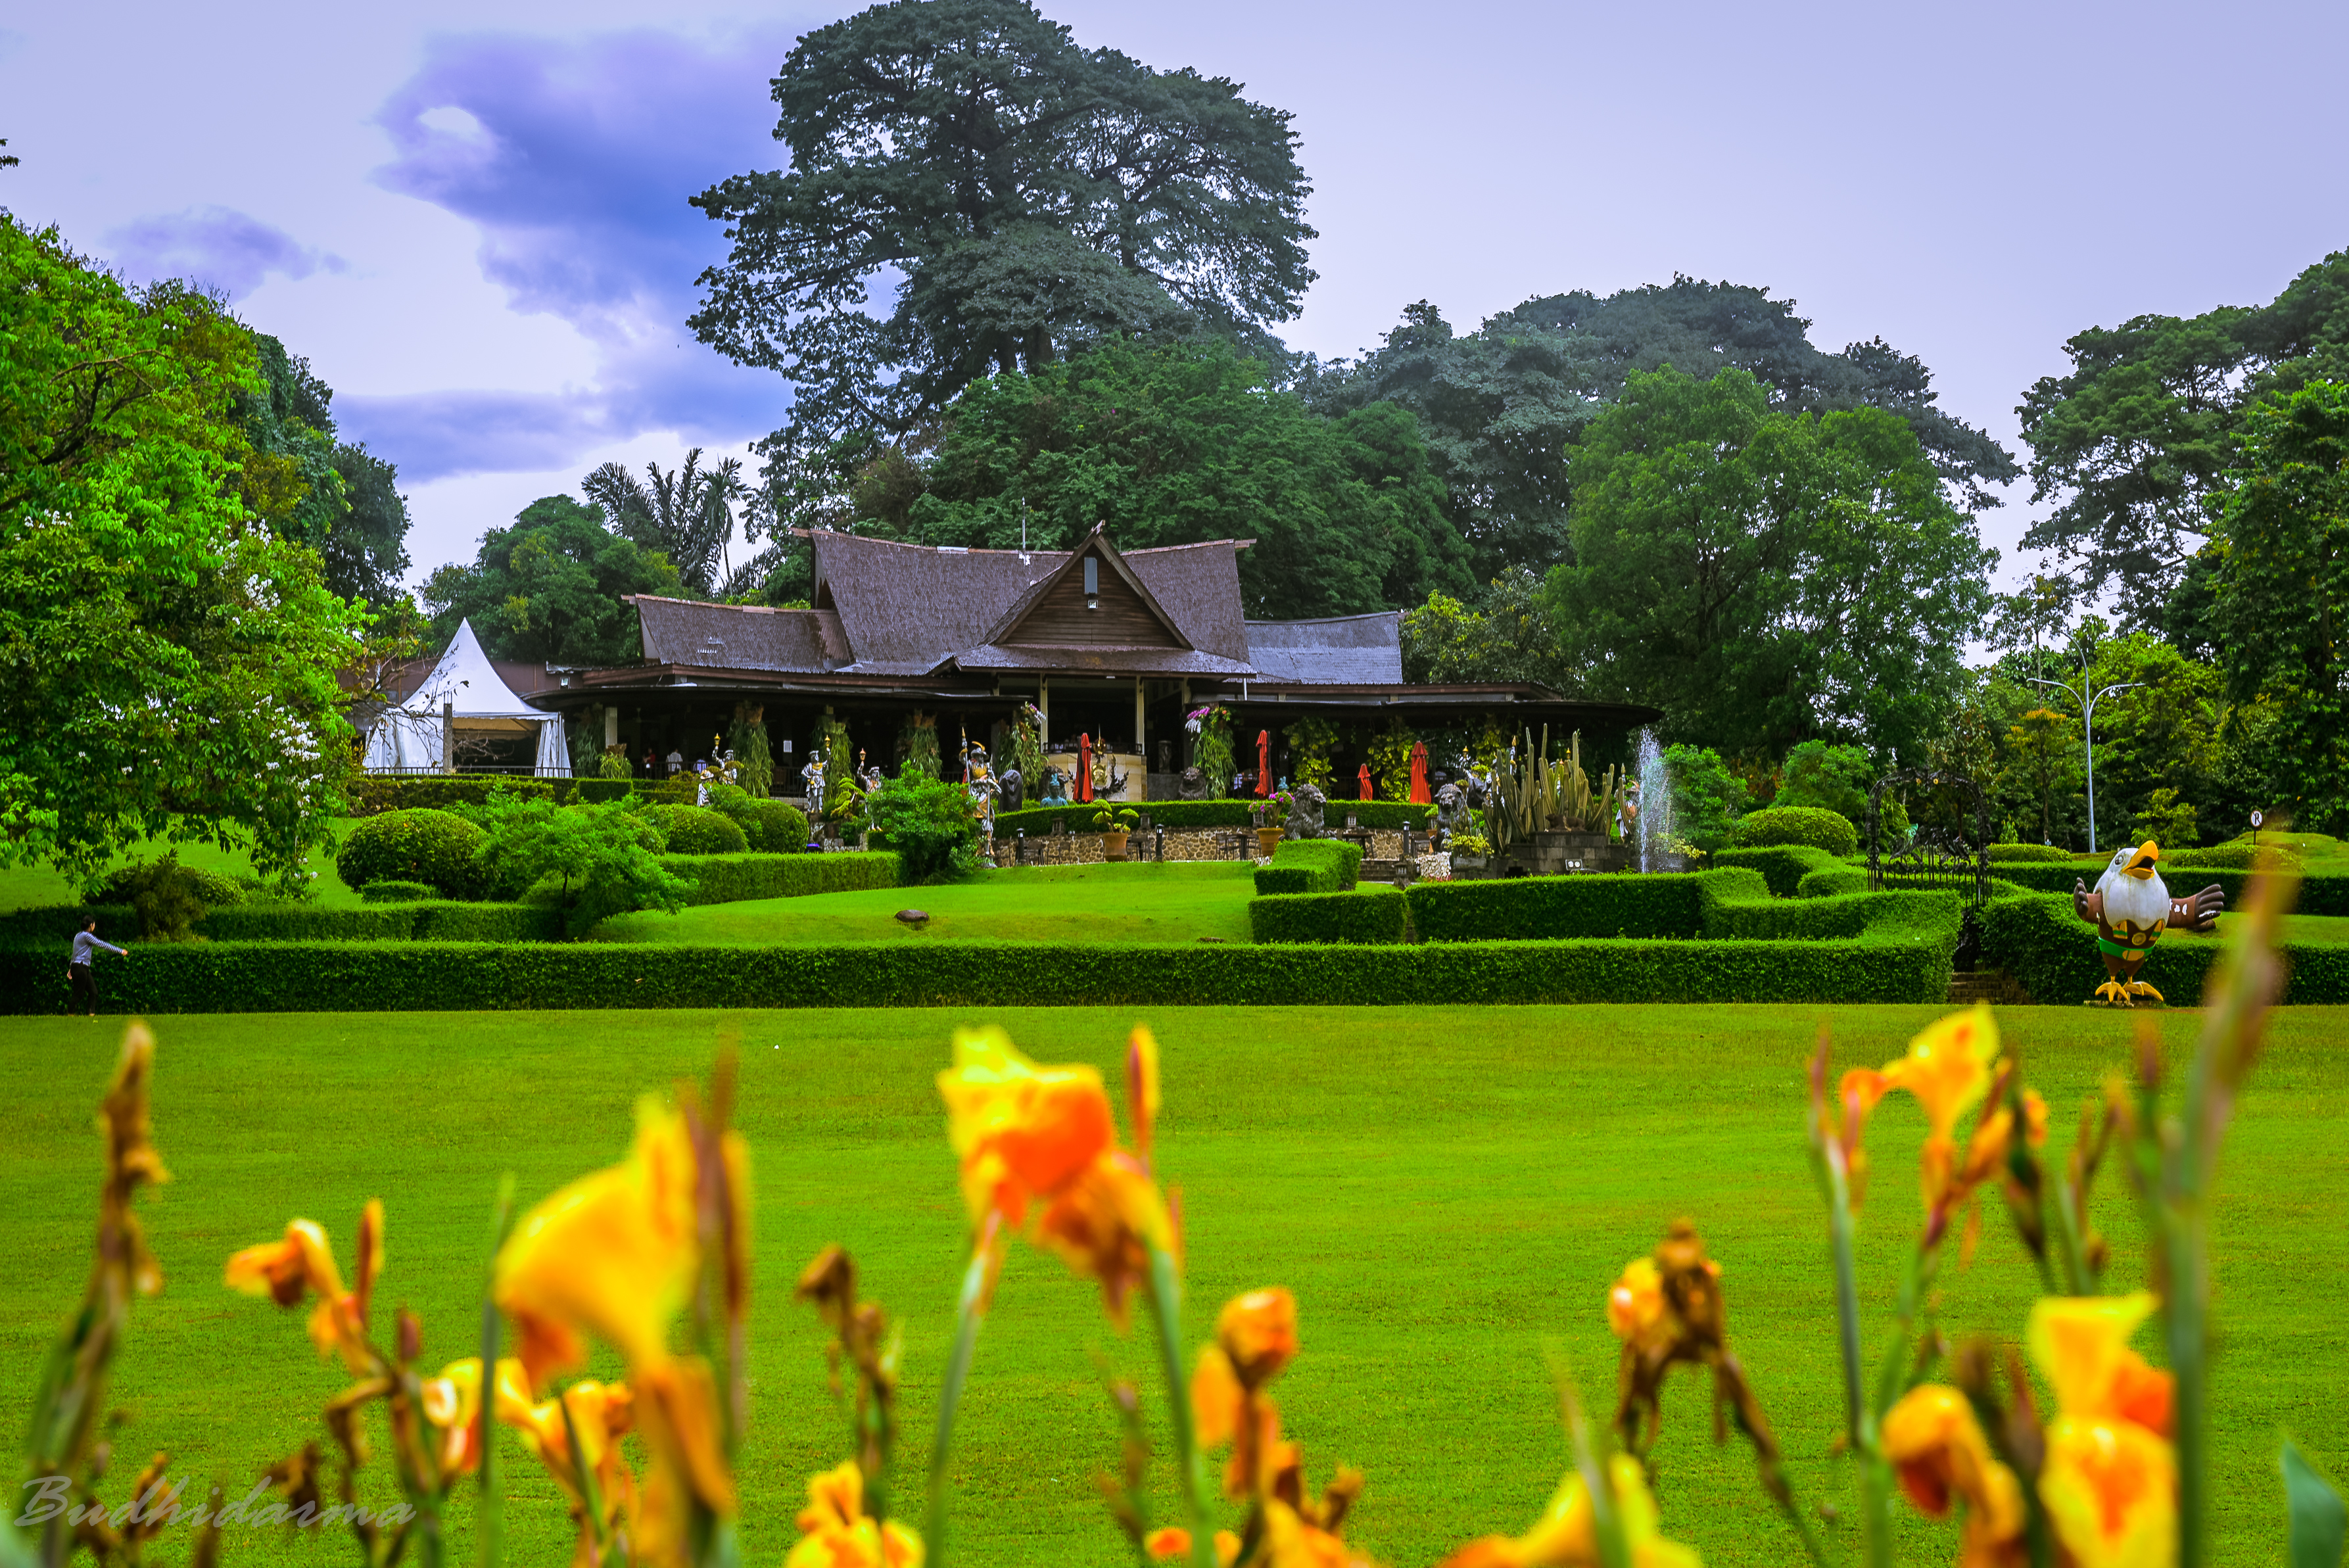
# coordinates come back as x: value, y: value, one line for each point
x: 472, y: 216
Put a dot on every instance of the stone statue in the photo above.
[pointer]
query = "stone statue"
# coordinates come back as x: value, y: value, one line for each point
x: 1056, y: 788
x: 814, y: 776
x: 1193, y: 784
x: 1452, y: 809
x: 1010, y: 790
x: 1305, y: 804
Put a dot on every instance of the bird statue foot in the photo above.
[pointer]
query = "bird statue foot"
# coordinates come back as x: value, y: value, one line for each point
x: 2139, y: 988
x: 2113, y: 993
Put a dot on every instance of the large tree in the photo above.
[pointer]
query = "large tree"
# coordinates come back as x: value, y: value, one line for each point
x: 552, y: 587
x: 335, y: 496
x: 166, y: 666
x: 1502, y: 407
x: 1011, y: 194
x: 686, y: 514
x: 1173, y: 444
x: 2140, y: 433
x: 1766, y: 577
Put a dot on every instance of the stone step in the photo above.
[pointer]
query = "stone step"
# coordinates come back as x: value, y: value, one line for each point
x: 1992, y: 985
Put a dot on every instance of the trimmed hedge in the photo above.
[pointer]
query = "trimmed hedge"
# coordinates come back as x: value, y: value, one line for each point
x: 1829, y: 881
x: 1172, y: 814
x: 2052, y: 952
x: 430, y: 921
x: 1814, y: 826
x: 371, y: 795
x: 390, y: 892
x: 2043, y: 852
x: 2321, y: 892
x: 1339, y: 860
x: 1555, y: 908
x: 1782, y: 865
x: 46, y: 925
x: 262, y: 976
x: 1374, y: 915
x: 1271, y: 879
x: 698, y: 830
x: 415, y: 844
x: 730, y: 878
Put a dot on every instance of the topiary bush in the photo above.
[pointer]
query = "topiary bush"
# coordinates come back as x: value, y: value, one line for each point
x: 697, y: 830
x: 1271, y: 879
x: 1782, y: 865
x: 2022, y: 852
x: 1810, y: 825
x: 416, y: 845
x: 771, y: 826
x: 390, y: 891
x: 1341, y: 860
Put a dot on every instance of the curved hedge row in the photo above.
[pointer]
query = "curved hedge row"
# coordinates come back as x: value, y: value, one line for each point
x: 2038, y: 939
x: 2321, y: 892
x: 1371, y: 914
x: 1782, y: 865
x: 265, y: 977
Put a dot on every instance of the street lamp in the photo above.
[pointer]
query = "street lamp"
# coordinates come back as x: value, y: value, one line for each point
x: 2088, y: 721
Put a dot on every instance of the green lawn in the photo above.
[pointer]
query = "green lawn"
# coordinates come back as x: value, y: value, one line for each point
x: 1448, y: 1194
x: 32, y: 887
x: 1174, y: 901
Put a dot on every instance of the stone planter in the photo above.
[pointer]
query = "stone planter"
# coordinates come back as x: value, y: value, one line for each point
x: 1468, y: 868
x: 1114, y: 845
x: 1266, y: 837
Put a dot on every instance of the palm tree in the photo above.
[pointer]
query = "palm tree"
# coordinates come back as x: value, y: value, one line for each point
x: 687, y: 513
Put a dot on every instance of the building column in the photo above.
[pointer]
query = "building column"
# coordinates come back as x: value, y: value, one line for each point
x: 1044, y: 706
x: 611, y: 727
x: 1141, y: 740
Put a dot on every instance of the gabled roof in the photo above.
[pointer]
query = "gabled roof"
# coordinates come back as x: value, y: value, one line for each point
x: 1018, y: 624
x: 904, y: 610
x: 1339, y: 650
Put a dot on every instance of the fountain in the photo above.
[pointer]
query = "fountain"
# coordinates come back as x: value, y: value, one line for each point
x: 1655, y: 819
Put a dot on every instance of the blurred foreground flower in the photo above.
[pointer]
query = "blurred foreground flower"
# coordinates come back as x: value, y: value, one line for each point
x: 2110, y: 1481
x: 1937, y: 1447
x: 835, y: 1531
x: 1567, y: 1535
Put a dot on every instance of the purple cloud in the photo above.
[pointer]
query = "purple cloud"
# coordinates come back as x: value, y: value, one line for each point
x: 574, y: 160
x: 215, y: 245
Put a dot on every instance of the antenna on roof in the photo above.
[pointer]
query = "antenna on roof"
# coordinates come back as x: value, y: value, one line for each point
x: 1023, y: 525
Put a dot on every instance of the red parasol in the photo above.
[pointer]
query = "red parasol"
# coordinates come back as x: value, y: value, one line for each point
x: 1366, y: 793
x: 1084, y: 767
x: 1264, y: 762
x: 1419, y: 794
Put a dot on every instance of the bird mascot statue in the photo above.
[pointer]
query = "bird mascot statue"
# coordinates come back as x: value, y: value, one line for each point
x: 2130, y: 908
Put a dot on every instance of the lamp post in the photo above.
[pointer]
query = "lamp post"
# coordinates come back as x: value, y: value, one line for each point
x: 2088, y: 725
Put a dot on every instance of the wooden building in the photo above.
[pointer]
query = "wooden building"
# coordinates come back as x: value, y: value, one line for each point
x: 1115, y: 646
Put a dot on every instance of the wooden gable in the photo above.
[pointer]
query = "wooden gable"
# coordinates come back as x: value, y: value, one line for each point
x: 1118, y: 614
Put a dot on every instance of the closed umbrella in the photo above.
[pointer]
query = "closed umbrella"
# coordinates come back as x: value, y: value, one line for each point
x: 1084, y: 767
x: 1419, y: 792
x: 1264, y: 762
x: 1366, y: 782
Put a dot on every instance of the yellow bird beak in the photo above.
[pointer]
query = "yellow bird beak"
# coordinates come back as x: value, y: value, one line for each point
x: 2140, y: 864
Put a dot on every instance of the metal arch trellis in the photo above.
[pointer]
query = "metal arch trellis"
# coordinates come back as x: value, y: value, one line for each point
x: 1936, y: 863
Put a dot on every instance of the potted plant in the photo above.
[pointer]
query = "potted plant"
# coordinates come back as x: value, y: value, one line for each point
x: 1268, y: 819
x: 1470, y: 852
x: 1113, y: 823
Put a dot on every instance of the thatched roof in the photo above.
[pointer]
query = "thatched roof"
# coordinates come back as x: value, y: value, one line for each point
x: 1339, y: 650
x: 740, y: 636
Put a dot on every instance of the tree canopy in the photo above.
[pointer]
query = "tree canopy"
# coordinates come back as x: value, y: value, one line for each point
x: 337, y: 497
x: 2141, y: 432
x: 1766, y: 577
x: 1502, y: 408
x: 166, y: 666
x: 551, y: 588
x: 1016, y: 194
x: 1173, y: 444
x: 687, y: 514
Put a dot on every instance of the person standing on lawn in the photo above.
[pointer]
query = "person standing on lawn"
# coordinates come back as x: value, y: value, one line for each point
x: 78, y: 969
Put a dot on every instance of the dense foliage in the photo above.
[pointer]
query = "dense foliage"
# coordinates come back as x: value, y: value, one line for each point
x: 696, y: 830
x: 929, y: 823
x: 166, y: 666
x: 418, y: 844
x: 592, y: 861
x: 552, y: 587
x: 1811, y: 826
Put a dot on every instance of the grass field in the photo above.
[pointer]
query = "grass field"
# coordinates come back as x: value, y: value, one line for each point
x: 31, y: 886
x: 1448, y: 1194
x: 1176, y: 902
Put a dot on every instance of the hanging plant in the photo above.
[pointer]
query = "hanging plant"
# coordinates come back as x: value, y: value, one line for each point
x: 917, y: 747
x: 1391, y: 761
x: 748, y: 741
x: 1211, y: 748
x: 1310, y: 743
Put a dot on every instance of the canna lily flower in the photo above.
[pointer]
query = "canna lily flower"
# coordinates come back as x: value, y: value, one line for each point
x: 1142, y: 1088
x: 1173, y: 1543
x: 613, y: 1254
x: 1296, y: 1541
x: 2110, y: 1479
x: 1104, y: 1224
x: 835, y: 1533
x: 1257, y: 1332
x: 1023, y: 1132
x: 1635, y: 1304
x: 1935, y: 1445
x: 453, y: 1404
x: 1567, y: 1535
x: 1948, y: 1068
x: 304, y: 1264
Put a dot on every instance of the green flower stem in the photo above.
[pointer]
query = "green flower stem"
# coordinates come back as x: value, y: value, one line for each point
x: 1166, y: 1307
x: 591, y: 1496
x: 489, y: 1528
x: 1839, y: 1225
x: 970, y: 1311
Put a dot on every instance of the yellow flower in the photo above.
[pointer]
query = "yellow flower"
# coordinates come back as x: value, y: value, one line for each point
x: 301, y: 1264
x: 613, y: 1254
x: 1142, y: 1087
x: 1948, y: 1068
x: 1023, y: 1132
x: 452, y: 1403
x: 1635, y: 1304
x: 1936, y: 1444
x: 835, y: 1533
x: 1567, y: 1535
x: 1257, y: 1332
x: 2110, y: 1479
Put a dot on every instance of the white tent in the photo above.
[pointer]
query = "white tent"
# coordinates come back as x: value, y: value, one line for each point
x: 410, y: 737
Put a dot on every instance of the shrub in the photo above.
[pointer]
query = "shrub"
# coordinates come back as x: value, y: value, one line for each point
x: 165, y: 897
x: 697, y: 830
x: 1341, y: 860
x: 413, y: 845
x: 2041, y: 852
x: 1550, y: 908
x: 1374, y: 915
x: 44, y: 927
x: 730, y: 878
x: 1830, y: 880
x: 1807, y: 825
x: 1272, y: 879
x: 372, y: 796
x: 1782, y: 865
x: 932, y: 826
x: 391, y: 892
x: 1706, y: 797
x: 2231, y: 857
x: 781, y: 829
x: 600, y: 860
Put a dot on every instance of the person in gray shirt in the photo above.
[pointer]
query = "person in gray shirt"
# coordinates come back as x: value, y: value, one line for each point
x: 85, y: 984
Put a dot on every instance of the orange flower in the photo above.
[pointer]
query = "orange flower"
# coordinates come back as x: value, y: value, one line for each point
x: 1258, y: 1333
x: 1023, y: 1132
x: 613, y: 1254
x: 302, y: 1264
x: 1296, y: 1541
x: 1934, y: 1441
x: 1142, y: 1087
x: 1635, y: 1305
x: 835, y: 1533
x: 1567, y: 1535
x: 1103, y: 1225
x: 1173, y: 1543
x: 2110, y: 1479
x: 1948, y: 1068
x: 452, y: 1403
